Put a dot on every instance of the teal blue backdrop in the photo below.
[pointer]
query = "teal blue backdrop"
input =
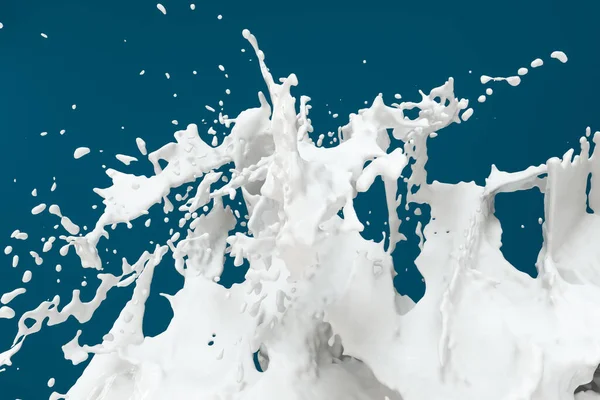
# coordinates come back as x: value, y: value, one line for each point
x: 95, y: 51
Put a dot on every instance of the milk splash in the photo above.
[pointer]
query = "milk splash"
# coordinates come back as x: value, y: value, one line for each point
x: 318, y: 302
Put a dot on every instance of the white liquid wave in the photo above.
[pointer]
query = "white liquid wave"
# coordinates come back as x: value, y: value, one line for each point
x: 318, y: 300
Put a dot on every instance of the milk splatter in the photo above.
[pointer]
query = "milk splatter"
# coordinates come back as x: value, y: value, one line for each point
x: 318, y: 306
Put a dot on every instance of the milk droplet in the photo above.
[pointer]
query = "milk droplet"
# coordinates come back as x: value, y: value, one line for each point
x: 81, y: 152
x: 467, y: 114
x: 26, y: 277
x: 141, y: 145
x: 560, y: 56
x: 513, y: 80
x: 538, y: 62
x: 38, y: 209
x: 485, y: 79
x: 125, y: 159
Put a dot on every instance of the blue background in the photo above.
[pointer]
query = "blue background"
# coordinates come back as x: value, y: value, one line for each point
x: 407, y: 45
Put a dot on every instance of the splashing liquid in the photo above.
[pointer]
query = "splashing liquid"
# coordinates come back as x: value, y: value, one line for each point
x: 317, y: 316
